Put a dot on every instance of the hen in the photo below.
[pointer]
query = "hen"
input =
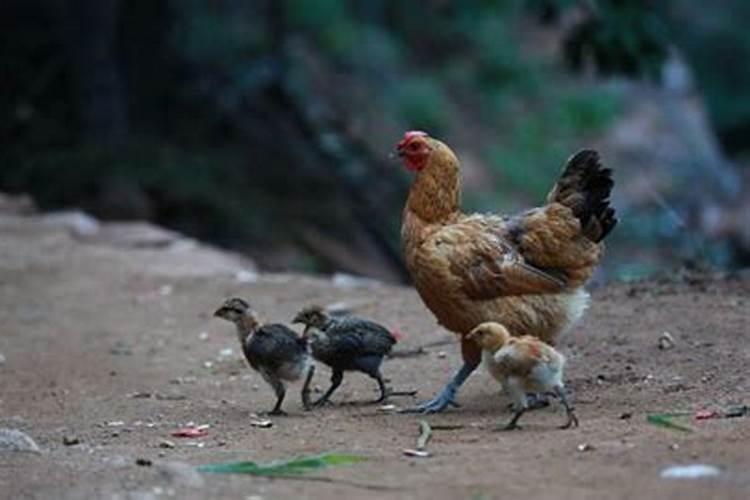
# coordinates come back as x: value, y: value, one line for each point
x: 524, y: 271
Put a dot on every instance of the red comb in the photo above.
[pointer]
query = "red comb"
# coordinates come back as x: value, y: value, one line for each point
x: 397, y: 335
x: 409, y: 135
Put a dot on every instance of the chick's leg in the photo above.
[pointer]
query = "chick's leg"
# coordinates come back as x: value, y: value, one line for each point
x: 381, y: 385
x: 279, y: 389
x: 569, y: 410
x: 515, y: 390
x: 306, y: 388
x: 472, y: 355
x: 336, y: 378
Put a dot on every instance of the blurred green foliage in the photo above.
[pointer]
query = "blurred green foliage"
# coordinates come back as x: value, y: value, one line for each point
x: 208, y: 142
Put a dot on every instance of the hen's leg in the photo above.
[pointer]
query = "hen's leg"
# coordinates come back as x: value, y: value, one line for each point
x: 472, y: 355
x: 336, y: 378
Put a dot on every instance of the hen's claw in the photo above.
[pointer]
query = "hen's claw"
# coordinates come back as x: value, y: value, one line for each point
x: 436, y: 405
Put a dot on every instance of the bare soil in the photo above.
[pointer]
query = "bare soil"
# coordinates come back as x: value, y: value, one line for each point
x: 108, y: 340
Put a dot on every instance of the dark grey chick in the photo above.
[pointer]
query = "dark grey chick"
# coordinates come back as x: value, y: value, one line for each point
x: 274, y: 350
x: 346, y: 343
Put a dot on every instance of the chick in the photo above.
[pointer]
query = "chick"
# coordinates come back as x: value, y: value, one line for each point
x: 521, y: 365
x: 346, y: 343
x: 274, y: 350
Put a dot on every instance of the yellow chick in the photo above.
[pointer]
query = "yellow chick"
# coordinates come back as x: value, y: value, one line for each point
x: 522, y: 365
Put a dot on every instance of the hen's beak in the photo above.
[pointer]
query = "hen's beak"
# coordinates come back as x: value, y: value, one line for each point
x: 219, y: 312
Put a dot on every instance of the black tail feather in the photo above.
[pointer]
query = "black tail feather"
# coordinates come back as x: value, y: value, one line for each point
x: 585, y: 186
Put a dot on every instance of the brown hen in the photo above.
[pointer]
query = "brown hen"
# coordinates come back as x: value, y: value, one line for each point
x: 524, y: 271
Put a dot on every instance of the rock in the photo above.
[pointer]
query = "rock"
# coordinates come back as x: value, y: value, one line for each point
x: 692, y: 471
x: 71, y: 440
x: 136, y: 235
x: 666, y: 341
x: 2, y: 359
x: 165, y: 443
x: 78, y: 223
x: 21, y: 204
x: 343, y: 280
x: 180, y: 474
x: 15, y: 440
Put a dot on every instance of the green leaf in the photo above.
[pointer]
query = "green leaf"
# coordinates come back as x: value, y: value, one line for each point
x: 295, y: 466
x: 665, y: 420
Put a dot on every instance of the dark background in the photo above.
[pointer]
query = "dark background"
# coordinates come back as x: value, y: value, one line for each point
x: 266, y: 126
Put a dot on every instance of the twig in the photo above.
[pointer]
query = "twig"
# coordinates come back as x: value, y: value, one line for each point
x: 323, y: 479
x: 421, y: 350
x: 408, y: 353
x: 410, y: 392
x: 447, y: 427
x: 425, y: 433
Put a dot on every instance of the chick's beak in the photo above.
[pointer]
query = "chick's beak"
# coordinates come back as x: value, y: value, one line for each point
x: 219, y: 312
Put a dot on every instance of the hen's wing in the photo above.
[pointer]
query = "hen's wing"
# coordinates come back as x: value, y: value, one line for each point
x: 486, y: 262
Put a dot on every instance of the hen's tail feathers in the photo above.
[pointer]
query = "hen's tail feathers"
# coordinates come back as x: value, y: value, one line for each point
x: 585, y: 186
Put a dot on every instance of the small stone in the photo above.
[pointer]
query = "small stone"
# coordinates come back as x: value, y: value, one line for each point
x: 143, y: 462
x: 71, y: 440
x: 246, y: 276
x: 626, y: 416
x: 584, y: 447
x: 166, y: 443
x: 674, y: 446
x: 15, y: 440
x: 416, y: 453
x: 666, y: 341
x: 2, y: 359
x: 203, y: 336
x: 225, y: 353
x: 263, y: 424
x: 442, y: 354
x: 692, y: 471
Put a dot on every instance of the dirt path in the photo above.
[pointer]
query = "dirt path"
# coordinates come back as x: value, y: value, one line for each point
x: 109, y: 341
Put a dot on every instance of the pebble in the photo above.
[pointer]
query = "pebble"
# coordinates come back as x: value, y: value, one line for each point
x: 166, y: 443
x: 666, y: 341
x: 2, y: 359
x: 692, y: 471
x: 71, y: 440
x: 15, y: 440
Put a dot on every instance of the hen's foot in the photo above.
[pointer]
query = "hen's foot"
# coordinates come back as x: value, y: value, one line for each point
x: 436, y: 405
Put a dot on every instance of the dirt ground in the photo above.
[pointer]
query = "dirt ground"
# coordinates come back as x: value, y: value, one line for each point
x: 108, y: 340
